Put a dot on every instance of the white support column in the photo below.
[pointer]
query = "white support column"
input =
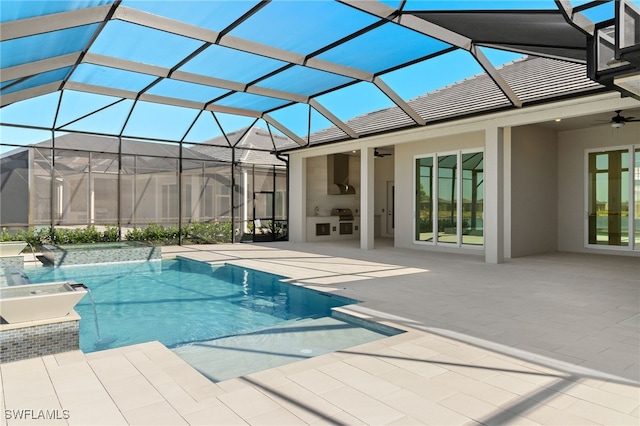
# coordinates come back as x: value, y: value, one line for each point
x: 297, y: 199
x: 506, y: 176
x: 494, y: 195
x: 366, y: 199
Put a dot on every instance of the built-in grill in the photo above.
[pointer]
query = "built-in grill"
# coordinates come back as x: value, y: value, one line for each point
x: 343, y: 214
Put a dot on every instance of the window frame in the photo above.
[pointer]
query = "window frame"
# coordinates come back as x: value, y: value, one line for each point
x: 633, y: 215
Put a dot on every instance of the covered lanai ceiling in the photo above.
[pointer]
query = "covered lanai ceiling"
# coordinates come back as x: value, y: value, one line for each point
x: 173, y: 70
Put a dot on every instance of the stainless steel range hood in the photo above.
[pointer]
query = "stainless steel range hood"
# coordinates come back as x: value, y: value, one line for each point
x: 338, y: 175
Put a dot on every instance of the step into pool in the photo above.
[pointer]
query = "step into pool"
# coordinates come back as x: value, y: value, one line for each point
x: 235, y: 356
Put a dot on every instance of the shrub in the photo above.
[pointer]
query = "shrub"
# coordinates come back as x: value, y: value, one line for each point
x: 196, y: 233
x: 77, y: 235
x: 111, y: 234
x: 155, y: 233
x: 207, y: 233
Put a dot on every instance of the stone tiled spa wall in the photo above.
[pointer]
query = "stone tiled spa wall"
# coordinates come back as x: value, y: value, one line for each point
x: 82, y: 257
x: 39, y: 340
x: 6, y: 261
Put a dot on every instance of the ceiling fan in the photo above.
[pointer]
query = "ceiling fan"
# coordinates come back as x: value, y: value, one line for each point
x: 618, y: 120
x: 379, y: 154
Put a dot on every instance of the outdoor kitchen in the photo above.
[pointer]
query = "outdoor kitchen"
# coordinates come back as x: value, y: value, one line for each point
x: 333, y: 198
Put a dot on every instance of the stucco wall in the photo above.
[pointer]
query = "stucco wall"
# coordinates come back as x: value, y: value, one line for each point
x: 572, y: 178
x: 534, y: 194
x: 404, y: 179
x: 383, y: 170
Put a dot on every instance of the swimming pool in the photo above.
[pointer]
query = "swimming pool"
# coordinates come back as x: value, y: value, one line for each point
x: 180, y: 302
x: 225, y: 321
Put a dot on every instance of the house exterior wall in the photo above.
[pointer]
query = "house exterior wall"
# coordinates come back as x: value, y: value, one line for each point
x: 572, y: 180
x: 383, y: 174
x: 404, y: 179
x: 534, y: 191
x: 542, y: 205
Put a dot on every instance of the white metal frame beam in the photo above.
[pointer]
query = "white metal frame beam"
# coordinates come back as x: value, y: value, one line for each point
x: 209, y: 36
x: 179, y: 28
x: 53, y: 22
x: 127, y: 94
x: 399, y: 101
x: 275, y: 123
x: 495, y: 76
x: 33, y: 92
x: 157, y: 71
x: 37, y: 67
x: 335, y: 120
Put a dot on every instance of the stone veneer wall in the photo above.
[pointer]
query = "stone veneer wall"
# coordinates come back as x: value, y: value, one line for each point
x: 12, y: 261
x: 59, y: 257
x: 38, y: 340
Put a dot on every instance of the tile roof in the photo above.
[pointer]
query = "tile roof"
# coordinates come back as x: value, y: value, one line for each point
x: 533, y: 79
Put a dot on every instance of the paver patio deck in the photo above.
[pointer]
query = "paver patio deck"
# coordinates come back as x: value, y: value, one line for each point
x: 549, y: 339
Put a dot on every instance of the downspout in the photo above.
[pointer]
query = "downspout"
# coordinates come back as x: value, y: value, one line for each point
x: 180, y: 155
x: 119, y: 192
x: 52, y: 192
x: 53, y: 169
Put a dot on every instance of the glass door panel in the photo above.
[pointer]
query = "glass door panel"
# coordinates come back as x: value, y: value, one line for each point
x: 472, y: 198
x: 608, y: 208
x: 636, y: 192
x: 424, y: 199
x: 447, y: 199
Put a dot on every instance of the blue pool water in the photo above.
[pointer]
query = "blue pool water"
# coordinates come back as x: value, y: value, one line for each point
x: 177, y: 301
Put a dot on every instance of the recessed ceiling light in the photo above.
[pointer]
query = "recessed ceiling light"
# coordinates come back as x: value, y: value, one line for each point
x: 558, y: 120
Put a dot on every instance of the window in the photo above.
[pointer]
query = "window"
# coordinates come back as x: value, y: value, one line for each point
x: 452, y: 185
x: 613, y: 194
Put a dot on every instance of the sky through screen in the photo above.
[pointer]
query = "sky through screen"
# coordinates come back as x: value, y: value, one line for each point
x: 163, y: 48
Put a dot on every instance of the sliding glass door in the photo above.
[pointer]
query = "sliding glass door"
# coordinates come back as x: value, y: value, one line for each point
x: 449, y: 193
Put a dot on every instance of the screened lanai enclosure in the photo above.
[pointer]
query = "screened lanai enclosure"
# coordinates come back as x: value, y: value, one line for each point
x: 172, y: 119
x: 189, y: 193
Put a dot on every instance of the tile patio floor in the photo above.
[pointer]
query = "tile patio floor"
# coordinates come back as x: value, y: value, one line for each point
x: 549, y: 339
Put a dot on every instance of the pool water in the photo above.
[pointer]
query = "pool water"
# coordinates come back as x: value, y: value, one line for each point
x: 180, y: 302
